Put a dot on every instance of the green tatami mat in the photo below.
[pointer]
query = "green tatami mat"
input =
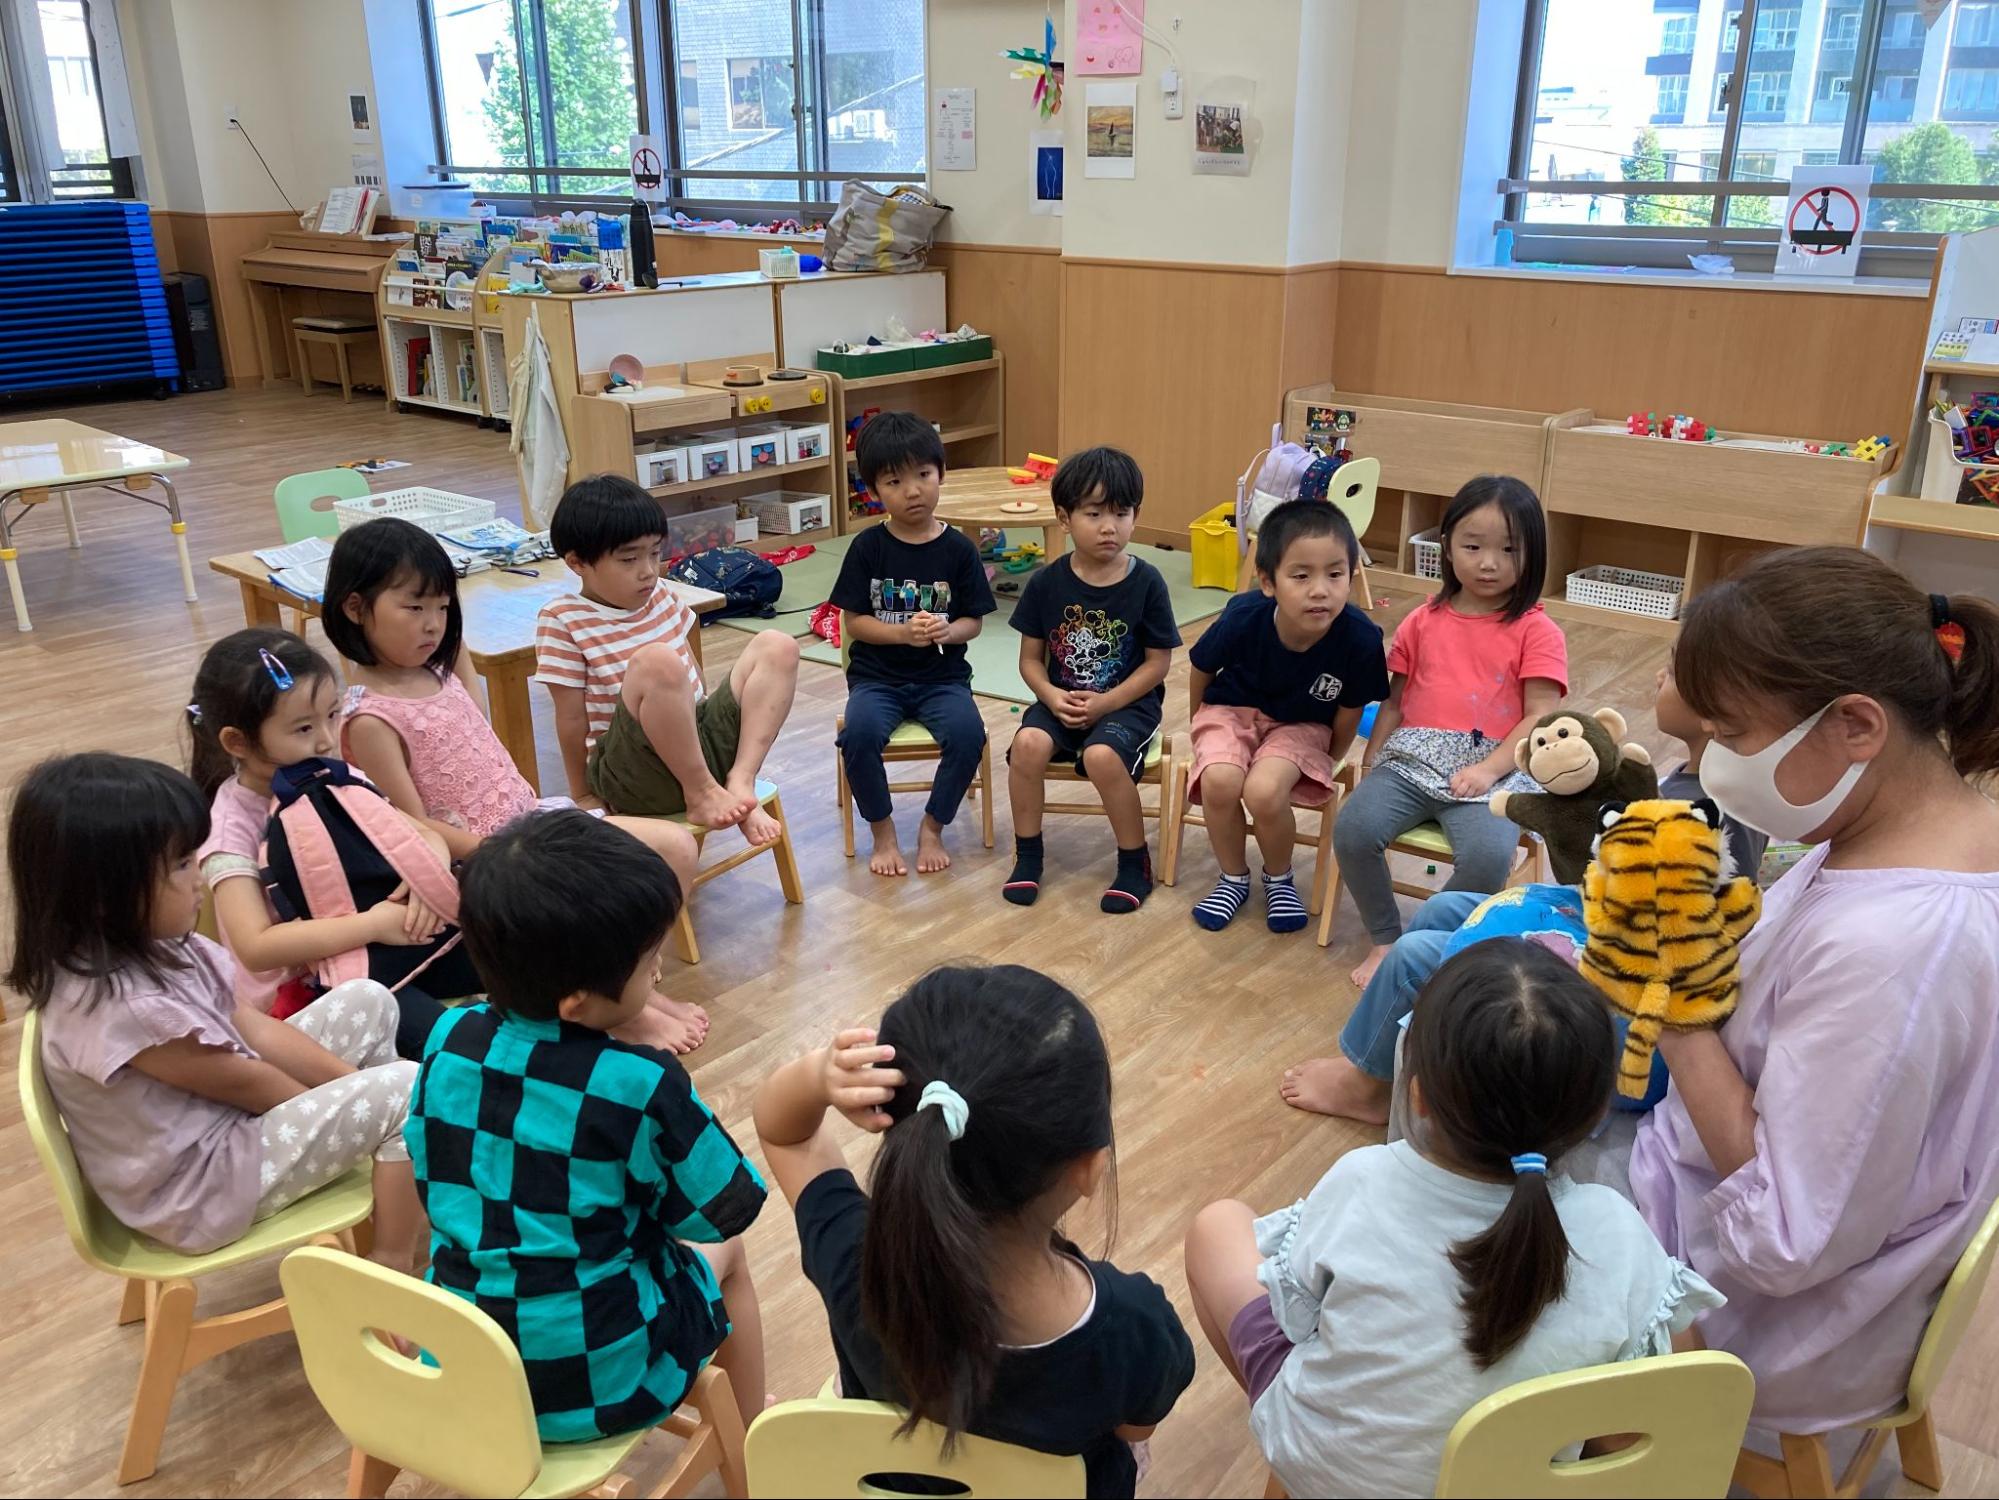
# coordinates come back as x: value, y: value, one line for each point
x: 995, y: 653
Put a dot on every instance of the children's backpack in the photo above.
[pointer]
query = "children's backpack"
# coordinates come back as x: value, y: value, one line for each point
x: 750, y: 584
x: 336, y: 846
x: 1274, y: 476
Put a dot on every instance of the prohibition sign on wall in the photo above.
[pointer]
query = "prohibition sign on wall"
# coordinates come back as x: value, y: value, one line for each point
x: 1824, y: 214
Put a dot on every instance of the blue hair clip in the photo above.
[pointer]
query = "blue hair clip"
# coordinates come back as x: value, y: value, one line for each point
x: 1530, y: 1161
x: 280, y: 673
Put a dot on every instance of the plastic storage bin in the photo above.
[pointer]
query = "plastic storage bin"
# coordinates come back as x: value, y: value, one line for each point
x: 711, y: 455
x: 1428, y: 549
x: 698, y: 530
x: 433, y: 510
x: 789, y: 512
x: 806, y: 441
x: 1628, y: 590
x: 1216, y: 552
x: 663, y: 466
x: 761, y: 447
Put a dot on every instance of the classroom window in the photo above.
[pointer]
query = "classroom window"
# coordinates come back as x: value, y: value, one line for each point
x: 536, y: 98
x: 49, y: 52
x: 1604, y: 123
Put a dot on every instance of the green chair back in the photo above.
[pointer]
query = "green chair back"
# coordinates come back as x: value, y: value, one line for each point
x: 305, y: 501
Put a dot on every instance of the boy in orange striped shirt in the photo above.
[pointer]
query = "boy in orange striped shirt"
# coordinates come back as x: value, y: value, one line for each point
x: 640, y: 733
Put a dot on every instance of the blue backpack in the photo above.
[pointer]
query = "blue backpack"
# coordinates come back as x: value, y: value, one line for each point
x: 749, y: 583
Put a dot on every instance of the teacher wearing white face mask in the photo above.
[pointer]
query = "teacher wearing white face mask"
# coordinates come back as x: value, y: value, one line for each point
x: 1825, y: 1156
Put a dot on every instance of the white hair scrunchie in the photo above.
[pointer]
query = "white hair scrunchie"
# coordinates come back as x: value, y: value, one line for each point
x: 951, y: 1103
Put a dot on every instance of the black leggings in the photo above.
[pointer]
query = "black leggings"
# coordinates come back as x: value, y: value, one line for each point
x: 451, y: 977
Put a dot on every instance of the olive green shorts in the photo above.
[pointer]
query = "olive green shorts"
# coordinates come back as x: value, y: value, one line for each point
x: 628, y: 774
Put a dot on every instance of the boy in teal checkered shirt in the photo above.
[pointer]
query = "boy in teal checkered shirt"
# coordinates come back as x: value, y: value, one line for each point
x: 563, y: 1170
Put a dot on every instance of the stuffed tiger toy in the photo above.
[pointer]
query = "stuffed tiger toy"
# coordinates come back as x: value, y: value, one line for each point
x: 1664, y: 914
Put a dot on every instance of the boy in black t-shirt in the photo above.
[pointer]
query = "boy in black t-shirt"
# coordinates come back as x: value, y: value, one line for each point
x: 1276, y: 690
x: 1097, y: 636
x: 911, y: 593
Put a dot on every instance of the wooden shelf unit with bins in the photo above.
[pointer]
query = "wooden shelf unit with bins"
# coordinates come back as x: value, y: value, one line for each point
x: 605, y: 432
x: 967, y: 401
x: 468, y: 366
x: 1694, y: 511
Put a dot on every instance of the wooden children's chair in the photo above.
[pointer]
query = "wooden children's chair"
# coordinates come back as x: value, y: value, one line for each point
x: 832, y: 1447
x: 1323, y: 868
x: 466, y: 1421
x: 1159, y: 763
x: 781, y: 850
x: 1689, y: 1411
x: 910, y: 742
x: 1806, y: 1468
x: 159, y: 1284
x: 305, y: 501
x: 1355, y: 486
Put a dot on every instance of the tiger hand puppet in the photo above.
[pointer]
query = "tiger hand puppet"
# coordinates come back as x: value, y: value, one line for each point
x: 1664, y: 913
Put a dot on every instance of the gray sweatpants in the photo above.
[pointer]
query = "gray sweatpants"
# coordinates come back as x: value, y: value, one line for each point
x: 1387, y: 806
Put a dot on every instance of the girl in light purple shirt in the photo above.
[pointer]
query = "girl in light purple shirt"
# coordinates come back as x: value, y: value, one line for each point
x: 1825, y: 1156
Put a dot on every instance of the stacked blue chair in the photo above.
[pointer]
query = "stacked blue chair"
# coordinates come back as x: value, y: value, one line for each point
x: 81, y: 299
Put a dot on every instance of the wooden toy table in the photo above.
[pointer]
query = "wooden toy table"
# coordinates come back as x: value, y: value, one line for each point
x: 500, y: 610
x: 49, y: 458
x: 972, y: 498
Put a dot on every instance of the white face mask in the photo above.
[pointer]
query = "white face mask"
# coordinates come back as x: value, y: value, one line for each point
x: 1745, y: 786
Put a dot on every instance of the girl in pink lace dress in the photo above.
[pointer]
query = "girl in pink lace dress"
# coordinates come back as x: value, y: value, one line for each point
x: 413, y: 725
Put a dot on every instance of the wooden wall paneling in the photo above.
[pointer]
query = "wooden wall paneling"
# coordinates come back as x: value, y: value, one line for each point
x: 1178, y: 365
x: 229, y: 238
x: 1806, y: 363
x: 1311, y: 314
x: 679, y: 253
x: 1013, y: 293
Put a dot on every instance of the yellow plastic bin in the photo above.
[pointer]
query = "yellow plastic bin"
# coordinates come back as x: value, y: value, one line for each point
x: 1211, y: 540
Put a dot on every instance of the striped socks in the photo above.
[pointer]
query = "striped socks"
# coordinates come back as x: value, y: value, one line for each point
x: 1218, y: 908
x: 1133, y: 883
x: 1024, y: 884
x: 1283, y: 909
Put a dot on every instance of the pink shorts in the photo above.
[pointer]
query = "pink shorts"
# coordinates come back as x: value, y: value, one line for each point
x: 1258, y: 1346
x: 1228, y: 736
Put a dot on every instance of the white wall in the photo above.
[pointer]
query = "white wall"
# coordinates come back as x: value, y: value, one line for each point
x: 1410, y: 81
x: 1327, y: 37
x: 968, y: 40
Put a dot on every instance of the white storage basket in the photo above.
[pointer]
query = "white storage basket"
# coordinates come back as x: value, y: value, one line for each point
x: 433, y: 510
x: 1627, y: 590
x: 1428, y: 547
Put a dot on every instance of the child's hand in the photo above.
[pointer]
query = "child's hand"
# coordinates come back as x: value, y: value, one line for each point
x: 855, y: 1080
x: 1474, y: 781
x: 1092, y: 706
x: 1073, y: 709
x: 389, y: 920
x: 423, y: 924
x: 925, y: 628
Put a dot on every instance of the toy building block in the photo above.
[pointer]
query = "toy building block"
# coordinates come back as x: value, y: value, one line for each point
x: 1022, y: 476
x: 1040, y: 465
x: 1638, y: 425
x: 1868, y: 448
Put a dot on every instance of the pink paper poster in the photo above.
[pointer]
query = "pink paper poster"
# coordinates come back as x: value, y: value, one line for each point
x: 1107, y: 37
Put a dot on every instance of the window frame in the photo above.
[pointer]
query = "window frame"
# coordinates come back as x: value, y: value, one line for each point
x: 659, y: 88
x: 25, y: 176
x: 1587, y: 243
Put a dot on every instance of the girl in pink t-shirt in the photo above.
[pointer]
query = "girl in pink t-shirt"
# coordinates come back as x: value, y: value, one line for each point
x: 413, y: 726
x: 192, y: 1114
x: 1469, y: 673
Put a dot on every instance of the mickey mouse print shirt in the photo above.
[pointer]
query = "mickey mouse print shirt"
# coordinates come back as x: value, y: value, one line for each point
x: 1097, y: 637
x: 891, y: 579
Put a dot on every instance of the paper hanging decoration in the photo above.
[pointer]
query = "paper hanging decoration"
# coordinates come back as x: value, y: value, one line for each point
x: 1041, y: 67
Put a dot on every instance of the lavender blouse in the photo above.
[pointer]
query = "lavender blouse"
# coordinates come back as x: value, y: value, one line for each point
x: 1869, y: 1030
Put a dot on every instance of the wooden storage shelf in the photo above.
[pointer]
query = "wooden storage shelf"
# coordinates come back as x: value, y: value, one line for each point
x: 477, y: 323
x: 967, y: 402
x: 437, y: 317
x: 966, y: 434
x: 917, y: 377
x: 1935, y: 517
x: 748, y: 476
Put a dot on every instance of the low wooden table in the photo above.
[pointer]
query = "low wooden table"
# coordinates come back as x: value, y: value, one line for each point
x: 49, y: 458
x: 972, y: 498
x: 500, y: 610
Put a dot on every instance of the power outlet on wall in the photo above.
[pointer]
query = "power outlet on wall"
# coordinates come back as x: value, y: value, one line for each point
x: 233, y: 117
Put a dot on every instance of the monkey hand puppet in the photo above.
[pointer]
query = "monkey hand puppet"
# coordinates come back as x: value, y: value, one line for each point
x: 1580, y: 765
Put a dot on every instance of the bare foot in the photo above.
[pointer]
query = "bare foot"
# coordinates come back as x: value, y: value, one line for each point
x: 887, y: 856
x: 931, y: 855
x: 679, y: 1010
x: 656, y: 1027
x: 760, y: 828
x: 719, y: 807
x: 1369, y: 964
x: 1334, y: 1086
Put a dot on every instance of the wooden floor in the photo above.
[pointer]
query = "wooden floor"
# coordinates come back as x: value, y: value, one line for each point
x: 1200, y: 1024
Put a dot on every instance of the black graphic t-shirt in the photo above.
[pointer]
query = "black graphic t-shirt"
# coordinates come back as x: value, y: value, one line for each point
x: 891, y: 579
x: 1096, y: 637
x: 1253, y: 668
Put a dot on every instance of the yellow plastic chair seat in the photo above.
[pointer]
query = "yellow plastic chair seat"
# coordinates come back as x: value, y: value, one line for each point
x: 910, y: 735
x: 573, y: 1468
x: 829, y: 1447
x: 1426, y: 838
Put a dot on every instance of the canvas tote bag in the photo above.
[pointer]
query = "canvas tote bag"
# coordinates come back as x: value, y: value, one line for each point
x: 876, y: 231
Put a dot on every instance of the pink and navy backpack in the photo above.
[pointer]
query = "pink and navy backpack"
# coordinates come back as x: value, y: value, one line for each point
x: 336, y: 846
